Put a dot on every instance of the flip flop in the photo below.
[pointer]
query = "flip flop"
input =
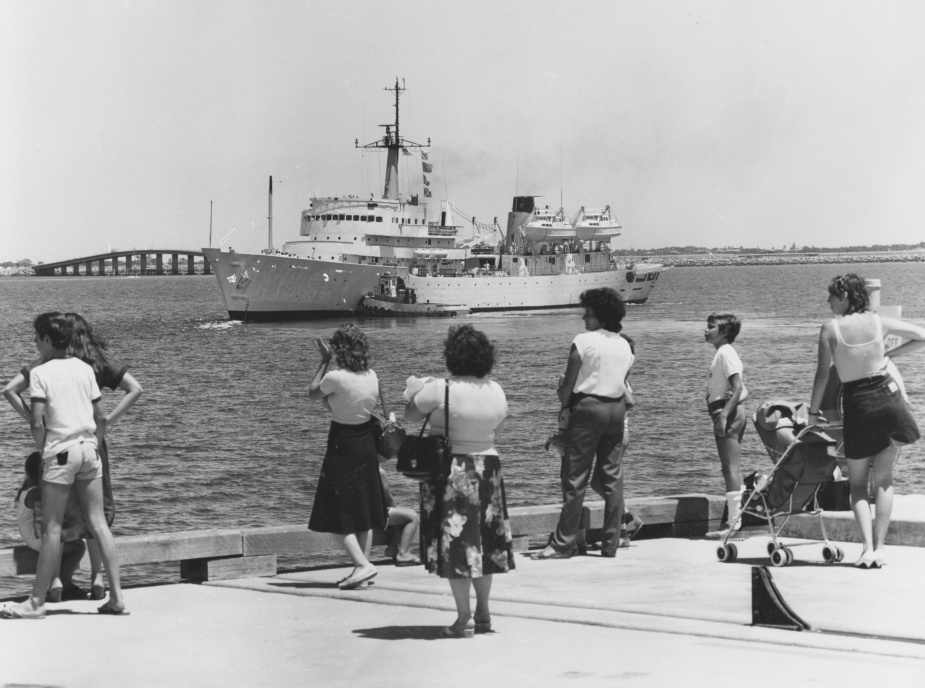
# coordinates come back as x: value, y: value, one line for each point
x: 106, y: 609
x: 408, y: 562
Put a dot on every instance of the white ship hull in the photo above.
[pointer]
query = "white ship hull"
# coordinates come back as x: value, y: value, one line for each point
x: 267, y: 287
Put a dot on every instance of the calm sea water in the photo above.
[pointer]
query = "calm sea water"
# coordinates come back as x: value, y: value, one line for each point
x: 226, y: 436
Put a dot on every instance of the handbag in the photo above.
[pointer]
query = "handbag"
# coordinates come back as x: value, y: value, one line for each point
x: 388, y: 432
x: 422, y: 458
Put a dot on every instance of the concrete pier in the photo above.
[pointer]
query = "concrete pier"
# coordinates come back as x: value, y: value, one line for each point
x: 664, y: 612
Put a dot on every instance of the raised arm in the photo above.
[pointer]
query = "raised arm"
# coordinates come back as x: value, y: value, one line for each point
x: 314, y: 390
x: 901, y: 328
x: 133, y: 391
x: 13, y: 393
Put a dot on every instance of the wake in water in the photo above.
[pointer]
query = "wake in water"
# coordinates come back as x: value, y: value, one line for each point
x: 219, y: 325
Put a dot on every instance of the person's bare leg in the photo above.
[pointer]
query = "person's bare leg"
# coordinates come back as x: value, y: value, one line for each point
x: 883, y: 492
x: 857, y: 483
x: 464, y: 625
x: 90, y: 493
x: 96, y: 565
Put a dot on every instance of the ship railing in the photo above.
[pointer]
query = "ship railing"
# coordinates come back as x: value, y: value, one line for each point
x: 434, y: 229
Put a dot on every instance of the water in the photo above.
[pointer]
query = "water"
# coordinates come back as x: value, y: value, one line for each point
x: 226, y: 436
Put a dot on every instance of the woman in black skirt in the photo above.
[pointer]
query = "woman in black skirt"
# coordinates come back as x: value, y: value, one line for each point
x: 876, y: 418
x: 349, y: 501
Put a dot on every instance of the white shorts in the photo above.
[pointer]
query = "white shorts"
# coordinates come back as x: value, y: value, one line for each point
x: 80, y: 461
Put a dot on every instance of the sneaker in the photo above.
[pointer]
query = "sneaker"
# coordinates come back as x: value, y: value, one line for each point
x: 721, y: 534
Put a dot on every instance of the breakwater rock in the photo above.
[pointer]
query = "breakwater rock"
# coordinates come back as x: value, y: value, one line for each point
x: 701, y: 260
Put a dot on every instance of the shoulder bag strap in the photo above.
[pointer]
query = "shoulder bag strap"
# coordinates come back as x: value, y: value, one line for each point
x: 385, y: 410
x: 446, y: 410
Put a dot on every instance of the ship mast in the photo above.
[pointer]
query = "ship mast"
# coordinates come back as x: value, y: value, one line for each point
x: 393, y: 143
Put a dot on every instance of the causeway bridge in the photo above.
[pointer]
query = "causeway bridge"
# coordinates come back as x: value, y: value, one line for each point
x: 133, y: 262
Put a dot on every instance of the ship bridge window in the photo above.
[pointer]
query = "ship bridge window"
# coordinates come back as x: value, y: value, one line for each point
x: 341, y: 218
x: 378, y: 218
x: 362, y: 218
x: 356, y: 218
x: 369, y: 219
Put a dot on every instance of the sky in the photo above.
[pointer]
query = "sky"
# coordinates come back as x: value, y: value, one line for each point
x: 722, y: 123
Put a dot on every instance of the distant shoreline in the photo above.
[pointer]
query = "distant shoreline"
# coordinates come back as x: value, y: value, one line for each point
x: 700, y: 260
x: 710, y: 260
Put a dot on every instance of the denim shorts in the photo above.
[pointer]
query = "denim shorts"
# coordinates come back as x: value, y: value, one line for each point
x: 874, y: 415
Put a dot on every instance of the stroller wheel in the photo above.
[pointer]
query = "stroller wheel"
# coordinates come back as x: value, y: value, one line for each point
x: 772, y: 547
x: 779, y: 557
x: 789, y: 553
x: 839, y: 555
x: 829, y: 554
x: 727, y: 553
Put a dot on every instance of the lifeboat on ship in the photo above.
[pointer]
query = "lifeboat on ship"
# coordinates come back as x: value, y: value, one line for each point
x: 549, y: 226
x: 596, y: 224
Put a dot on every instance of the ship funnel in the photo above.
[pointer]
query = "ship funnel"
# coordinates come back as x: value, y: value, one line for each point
x: 520, y: 213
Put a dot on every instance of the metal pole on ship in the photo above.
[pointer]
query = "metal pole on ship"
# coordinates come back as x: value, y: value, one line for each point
x: 270, y: 219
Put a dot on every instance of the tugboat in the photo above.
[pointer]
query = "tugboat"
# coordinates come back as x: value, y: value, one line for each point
x: 393, y: 299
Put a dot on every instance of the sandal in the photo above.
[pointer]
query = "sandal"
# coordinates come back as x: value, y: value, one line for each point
x: 466, y: 630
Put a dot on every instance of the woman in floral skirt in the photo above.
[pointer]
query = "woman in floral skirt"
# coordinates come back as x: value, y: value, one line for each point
x: 465, y: 531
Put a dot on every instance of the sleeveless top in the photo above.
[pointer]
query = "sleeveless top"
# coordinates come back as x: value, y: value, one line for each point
x: 857, y: 361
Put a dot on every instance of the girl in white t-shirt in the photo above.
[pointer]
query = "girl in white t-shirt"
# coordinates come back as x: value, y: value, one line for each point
x: 725, y: 394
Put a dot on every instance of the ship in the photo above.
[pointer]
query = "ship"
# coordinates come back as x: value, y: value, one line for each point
x: 347, y: 243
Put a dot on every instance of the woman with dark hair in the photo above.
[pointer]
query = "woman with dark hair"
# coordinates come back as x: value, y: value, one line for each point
x: 465, y: 532
x: 94, y: 351
x: 592, y: 393
x: 349, y: 501
x: 876, y: 418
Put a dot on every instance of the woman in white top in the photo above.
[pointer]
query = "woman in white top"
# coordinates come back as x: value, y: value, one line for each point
x: 876, y: 418
x: 465, y: 531
x: 593, y: 394
x: 349, y: 500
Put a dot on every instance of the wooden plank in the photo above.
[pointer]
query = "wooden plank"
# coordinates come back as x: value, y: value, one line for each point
x: 227, y: 568
x: 293, y: 539
x: 191, y: 544
x: 690, y: 514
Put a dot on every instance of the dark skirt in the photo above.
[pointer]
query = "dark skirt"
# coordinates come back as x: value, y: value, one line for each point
x: 874, y: 413
x: 465, y: 531
x: 349, y: 497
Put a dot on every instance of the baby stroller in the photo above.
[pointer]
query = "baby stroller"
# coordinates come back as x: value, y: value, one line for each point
x: 804, y: 459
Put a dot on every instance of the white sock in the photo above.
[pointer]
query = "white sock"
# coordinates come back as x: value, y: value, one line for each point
x: 734, y: 506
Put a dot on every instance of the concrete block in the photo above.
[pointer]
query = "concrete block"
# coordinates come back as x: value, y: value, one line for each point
x: 17, y: 561
x: 227, y: 568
